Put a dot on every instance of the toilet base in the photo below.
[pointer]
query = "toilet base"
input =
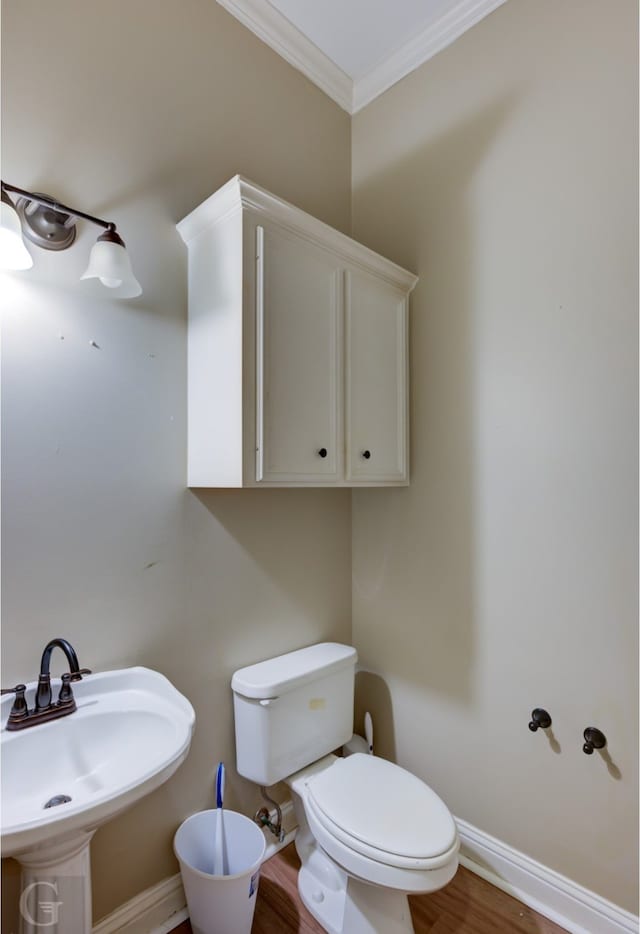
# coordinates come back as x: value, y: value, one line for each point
x: 343, y: 904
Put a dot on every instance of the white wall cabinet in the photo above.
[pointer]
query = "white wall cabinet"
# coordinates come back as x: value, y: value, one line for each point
x: 297, y: 349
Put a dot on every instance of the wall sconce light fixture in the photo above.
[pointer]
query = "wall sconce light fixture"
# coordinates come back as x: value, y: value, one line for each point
x: 51, y: 225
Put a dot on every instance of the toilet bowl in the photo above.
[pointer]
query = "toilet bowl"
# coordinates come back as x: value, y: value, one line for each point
x: 366, y: 823
x: 369, y: 832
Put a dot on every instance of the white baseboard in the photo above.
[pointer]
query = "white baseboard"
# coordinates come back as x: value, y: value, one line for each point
x: 563, y: 901
x: 155, y: 911
x: 161, y: 908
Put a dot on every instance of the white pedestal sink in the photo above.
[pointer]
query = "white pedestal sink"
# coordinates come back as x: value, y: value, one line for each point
x: 131, y: 731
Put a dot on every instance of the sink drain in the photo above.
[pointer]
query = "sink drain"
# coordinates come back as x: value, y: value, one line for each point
x: 57, y: 799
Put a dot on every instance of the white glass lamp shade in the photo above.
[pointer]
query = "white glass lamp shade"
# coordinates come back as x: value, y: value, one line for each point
x: 109, y: 262
x: 13, y: 252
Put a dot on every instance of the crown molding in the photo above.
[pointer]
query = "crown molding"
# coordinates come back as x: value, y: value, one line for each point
x: 272, y: 27
x: 352, y: 95
x: 436, y: 36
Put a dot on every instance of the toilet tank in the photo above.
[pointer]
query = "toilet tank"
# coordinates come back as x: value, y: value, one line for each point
x: 293, y: 709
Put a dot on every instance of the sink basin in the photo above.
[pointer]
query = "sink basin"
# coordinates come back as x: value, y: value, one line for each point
x: 131, y: 731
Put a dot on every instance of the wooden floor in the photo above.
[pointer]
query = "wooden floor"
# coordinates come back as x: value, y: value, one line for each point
x: 468, y: 905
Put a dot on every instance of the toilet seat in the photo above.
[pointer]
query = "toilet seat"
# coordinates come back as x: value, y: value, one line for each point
x: 383, y: 812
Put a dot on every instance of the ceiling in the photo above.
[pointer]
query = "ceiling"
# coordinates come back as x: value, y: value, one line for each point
x: 355, y: 50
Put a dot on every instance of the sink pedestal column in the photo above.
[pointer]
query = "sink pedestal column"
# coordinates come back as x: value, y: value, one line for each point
x: 56, y: 887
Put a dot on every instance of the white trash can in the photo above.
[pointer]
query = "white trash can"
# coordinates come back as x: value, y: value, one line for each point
x: 220, y: 904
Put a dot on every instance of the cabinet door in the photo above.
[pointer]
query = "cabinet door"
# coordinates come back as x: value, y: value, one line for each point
x: 297, y: 360
x: 376, y: 380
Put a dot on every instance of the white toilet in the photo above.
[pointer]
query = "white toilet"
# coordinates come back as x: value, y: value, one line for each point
x: 369, y: 832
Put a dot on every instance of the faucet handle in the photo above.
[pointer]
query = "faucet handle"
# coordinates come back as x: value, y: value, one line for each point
x: 77, y: 675
x: 19, y: 710
x: 66, y: 694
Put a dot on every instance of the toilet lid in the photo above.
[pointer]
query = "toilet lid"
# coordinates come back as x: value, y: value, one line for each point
x: 384, y: 807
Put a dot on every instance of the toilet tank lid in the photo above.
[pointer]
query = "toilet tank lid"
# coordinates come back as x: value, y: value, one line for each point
x: 277, y: 676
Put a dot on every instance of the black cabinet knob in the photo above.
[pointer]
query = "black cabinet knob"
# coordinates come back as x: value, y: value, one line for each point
x: 539, y: 718
x: 322, y: 452
x: 366, y: 455
x: 593, y: 739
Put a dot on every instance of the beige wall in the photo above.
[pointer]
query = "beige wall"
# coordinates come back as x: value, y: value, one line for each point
x: 504, y: 173
x: 137, y: 110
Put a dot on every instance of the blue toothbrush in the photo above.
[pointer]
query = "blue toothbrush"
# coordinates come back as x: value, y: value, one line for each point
x: 220, y: 851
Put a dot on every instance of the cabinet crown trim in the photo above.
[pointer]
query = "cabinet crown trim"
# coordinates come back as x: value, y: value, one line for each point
x: 240, y: 194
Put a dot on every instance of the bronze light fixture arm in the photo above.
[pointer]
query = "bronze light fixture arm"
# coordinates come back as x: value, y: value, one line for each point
x: 54, y: 205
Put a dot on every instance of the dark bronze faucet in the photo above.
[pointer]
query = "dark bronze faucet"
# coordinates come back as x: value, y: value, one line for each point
x: 45, y: 708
